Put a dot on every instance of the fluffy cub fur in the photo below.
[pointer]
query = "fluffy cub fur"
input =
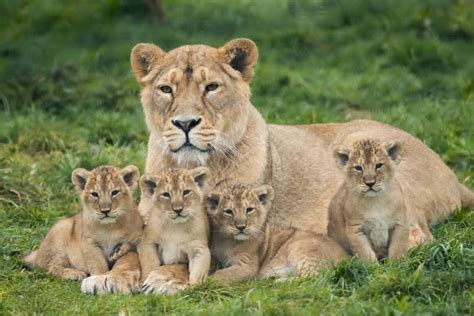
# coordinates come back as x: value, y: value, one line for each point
x: 177, y: 230
x: 368, y: 214
x: 109, y: 226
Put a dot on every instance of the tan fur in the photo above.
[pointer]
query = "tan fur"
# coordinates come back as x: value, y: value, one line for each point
x: 89, y: 242
x: 257, y: 248
x: 177, y: 230
x: 234, y: 142
x: 368, y: 214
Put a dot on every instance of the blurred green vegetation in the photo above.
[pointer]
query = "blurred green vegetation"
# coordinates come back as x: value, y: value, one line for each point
x: 69, y: 99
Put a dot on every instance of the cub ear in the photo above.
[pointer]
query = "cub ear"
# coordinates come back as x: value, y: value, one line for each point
x: 342, y: 157
x: 200, y: 175
x: 79, y: 178
x: 130, y: 174
x: 148, y: 184
x: 242, y: 55
x: 264, y: 193
x: 394, y: 151
x: 143, y: 59
x: 212, y: 201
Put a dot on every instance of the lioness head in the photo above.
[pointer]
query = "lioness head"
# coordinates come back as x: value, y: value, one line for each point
x: 106, y: 192
x: 195, y: 97
x: 176, y: 193
x: 239, y: 211
x: 369, y: 165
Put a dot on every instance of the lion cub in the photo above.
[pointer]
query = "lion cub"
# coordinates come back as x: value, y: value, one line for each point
x: 108, y: 227
x: 177, y: 230
x: 238, y: 216
x: 368, y: 213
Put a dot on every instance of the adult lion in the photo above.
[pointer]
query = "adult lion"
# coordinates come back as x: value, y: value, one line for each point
x: 196, y: 100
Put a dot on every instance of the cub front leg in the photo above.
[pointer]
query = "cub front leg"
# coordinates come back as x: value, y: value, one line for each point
x: 119, y: 251
x: 360, y: 243
x: 400, y: 241
x: 94, y: 258
x: 199, y: 264
x: 149, y: 260
x: 244, y: 267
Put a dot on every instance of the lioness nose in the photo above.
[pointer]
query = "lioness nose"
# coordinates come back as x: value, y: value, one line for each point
x: 370, y: 183
x: 186, y: 126
x: 178, y: 210
x: 240, y: 227
x: 106, y: 211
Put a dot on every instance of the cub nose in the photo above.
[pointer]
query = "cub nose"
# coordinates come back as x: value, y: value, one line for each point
x: 105, y: 212
x: 370, y: 183
x: 187, y: 125
x: 178, y: 210
x: 240, y: 227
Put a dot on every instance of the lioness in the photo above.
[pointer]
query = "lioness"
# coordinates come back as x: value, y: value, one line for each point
x: 196, y: 100
x: 177, y: 230
x: 91, y: 242
x: 368, y: 213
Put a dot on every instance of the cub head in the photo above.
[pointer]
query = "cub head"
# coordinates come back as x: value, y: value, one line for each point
x: 176, y: 193
x: 106, y: 192
x: 239, y: 211
x: 195, y: 97
x: 369, y: 165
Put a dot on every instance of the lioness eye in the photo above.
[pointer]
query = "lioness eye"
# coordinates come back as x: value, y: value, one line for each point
x: 249, y: 210
x: 186, y: 192
x: 165, y: 195
x: 228, y: 211
x: 115, y: 192
x: 95, y: 194
x: 358, y: 168
x: 211, y: 87
x: 166, y: 89
x: 379, y: 165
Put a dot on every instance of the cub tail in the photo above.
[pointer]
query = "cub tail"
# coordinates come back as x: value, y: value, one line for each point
x: 467, y: 196
x: 30, y: 259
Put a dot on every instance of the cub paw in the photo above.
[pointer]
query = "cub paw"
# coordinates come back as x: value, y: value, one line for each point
x: 157, y: 283
x: 119, y: 251
x: 73, y: 274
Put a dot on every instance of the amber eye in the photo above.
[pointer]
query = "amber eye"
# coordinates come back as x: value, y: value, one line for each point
x: 166, y: 89
x: 211, y: 87
x: 378, y: 166
x: 186, y: 192
x: 249, y: 210
x: 165, y: 195
x: 95, y: 194
x: 229, y: 211
x: 115, y: 192
x: 358, y: 168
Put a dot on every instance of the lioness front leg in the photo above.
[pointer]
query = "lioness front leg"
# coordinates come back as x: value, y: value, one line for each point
x: 199, y: 264
x: 119, y: 251
x: 399, y: 243
x: 94, y: 258
x: 243, y: 268
x: 360, y: 244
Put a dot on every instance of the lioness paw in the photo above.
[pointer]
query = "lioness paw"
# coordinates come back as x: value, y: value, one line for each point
x: 94, y: 284
x: 157, y: 283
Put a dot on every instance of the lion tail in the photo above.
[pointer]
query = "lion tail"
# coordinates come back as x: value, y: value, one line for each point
x: 30, y: 259
x: 467, y: 197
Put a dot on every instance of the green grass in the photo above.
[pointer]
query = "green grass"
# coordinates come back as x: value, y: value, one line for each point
x: 68, y: 99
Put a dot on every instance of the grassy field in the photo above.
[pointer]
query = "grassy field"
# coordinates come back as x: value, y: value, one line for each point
x: 68, y: 99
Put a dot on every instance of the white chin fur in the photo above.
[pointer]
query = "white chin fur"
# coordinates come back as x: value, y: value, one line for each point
x: 179, y: 220
x: 108, y: 220
x: 186, y: 156
x: 241, y: 237
x: 371, y: 193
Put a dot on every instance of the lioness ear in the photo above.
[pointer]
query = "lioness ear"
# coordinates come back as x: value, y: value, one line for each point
x: 143, y: 58
x: 394, y: 150
x: 342, y: 157
x: 148, y: 184
x: 264, y: 193
x: 79, y: 178
x: 200, y: 175
x: 242, y: 55
x: 212, y: 203
x: 130, y: 174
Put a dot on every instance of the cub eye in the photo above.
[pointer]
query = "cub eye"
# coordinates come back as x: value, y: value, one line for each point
x: 378, y: 166
x: 166, y: 195
x: 211, y: 87
x: 115, y: 192
x: 166, y: 89
x: 229, y: 211
x: 249, y: 210
x: 186, y: 192
x: 95, y: 194
x: 358, y: 168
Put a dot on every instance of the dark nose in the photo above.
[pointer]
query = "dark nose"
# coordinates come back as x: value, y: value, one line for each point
x: 370, y: 183
x: 105, y: 212
x: 240, y: 227
x: 178, y: 210
x: 186, y: 126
